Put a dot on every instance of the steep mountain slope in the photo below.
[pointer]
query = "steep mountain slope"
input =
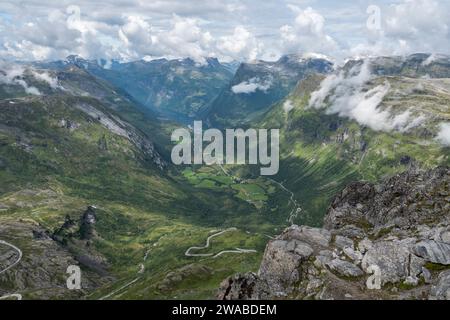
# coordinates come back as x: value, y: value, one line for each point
x: 356, y: 124
x: 385, y: 241
x: 178, y: 89
x: 258, y: 85
x: 69, y: 141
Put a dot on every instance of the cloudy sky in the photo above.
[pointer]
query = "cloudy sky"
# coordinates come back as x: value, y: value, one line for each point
x: 229, y: 30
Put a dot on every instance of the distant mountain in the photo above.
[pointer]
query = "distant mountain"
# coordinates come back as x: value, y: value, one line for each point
x: 232, y: 66
x: 359, y: 123
x: 178, y: 89
x: 258, y: 85
x: 415, y: 65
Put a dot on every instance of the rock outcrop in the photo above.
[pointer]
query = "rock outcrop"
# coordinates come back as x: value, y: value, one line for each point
x: 37, y: 268
x: 384, y: 241
x: 87, y: 224
x: 78, y: 235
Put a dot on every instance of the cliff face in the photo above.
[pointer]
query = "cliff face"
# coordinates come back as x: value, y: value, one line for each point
x: 385, y: 241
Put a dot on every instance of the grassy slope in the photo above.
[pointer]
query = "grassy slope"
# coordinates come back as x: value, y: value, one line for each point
x: 48, y: 172
x: 143, y: 210
x: 317, y: 162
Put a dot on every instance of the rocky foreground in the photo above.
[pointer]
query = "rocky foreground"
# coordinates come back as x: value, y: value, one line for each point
x: 36, y: 267
x: 385, y: 241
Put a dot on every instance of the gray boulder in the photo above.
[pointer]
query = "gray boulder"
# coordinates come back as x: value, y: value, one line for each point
x: 433, y: 251
x: 323, y: 258
x: 427, y: 277
x: 354, y: 255
x: 445, y: 236
x: 313, y: 236
x: 246, y: 286
x: 343, y: 242
x: 281, y: 265
x: 345, y: 268
x: 441, y: 291
x: 365, y: 245
x: 392, y: 257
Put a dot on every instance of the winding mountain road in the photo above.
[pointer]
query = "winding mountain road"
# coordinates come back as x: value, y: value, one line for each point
x: 208, y: 242
x: 15, y: 295
x: 238, y: 250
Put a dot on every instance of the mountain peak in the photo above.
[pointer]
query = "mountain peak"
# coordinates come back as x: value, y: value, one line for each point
x: 296, y: 58
x: 414, y: 65
x: 73, y: 58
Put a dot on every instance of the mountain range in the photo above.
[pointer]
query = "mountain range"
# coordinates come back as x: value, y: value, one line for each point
x: 87, y: 177
x: 177, y: 89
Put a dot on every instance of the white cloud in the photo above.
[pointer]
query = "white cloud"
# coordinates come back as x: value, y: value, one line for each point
x: 251, y: 86
x: 406, y: 121
x: 243, y: 30
x: 444, y: 134
x: 14, y: 75
x: 136, y: 36
x: 410, y: 26
x: 347, y: 95
x: 433, y: 58
x: 413, y: 19
x: 47, y: 78
x: 307, y: 33
x: 185, y: 39
x: 54, y: 36
x: 240, y: 44
x: 288, y: 106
